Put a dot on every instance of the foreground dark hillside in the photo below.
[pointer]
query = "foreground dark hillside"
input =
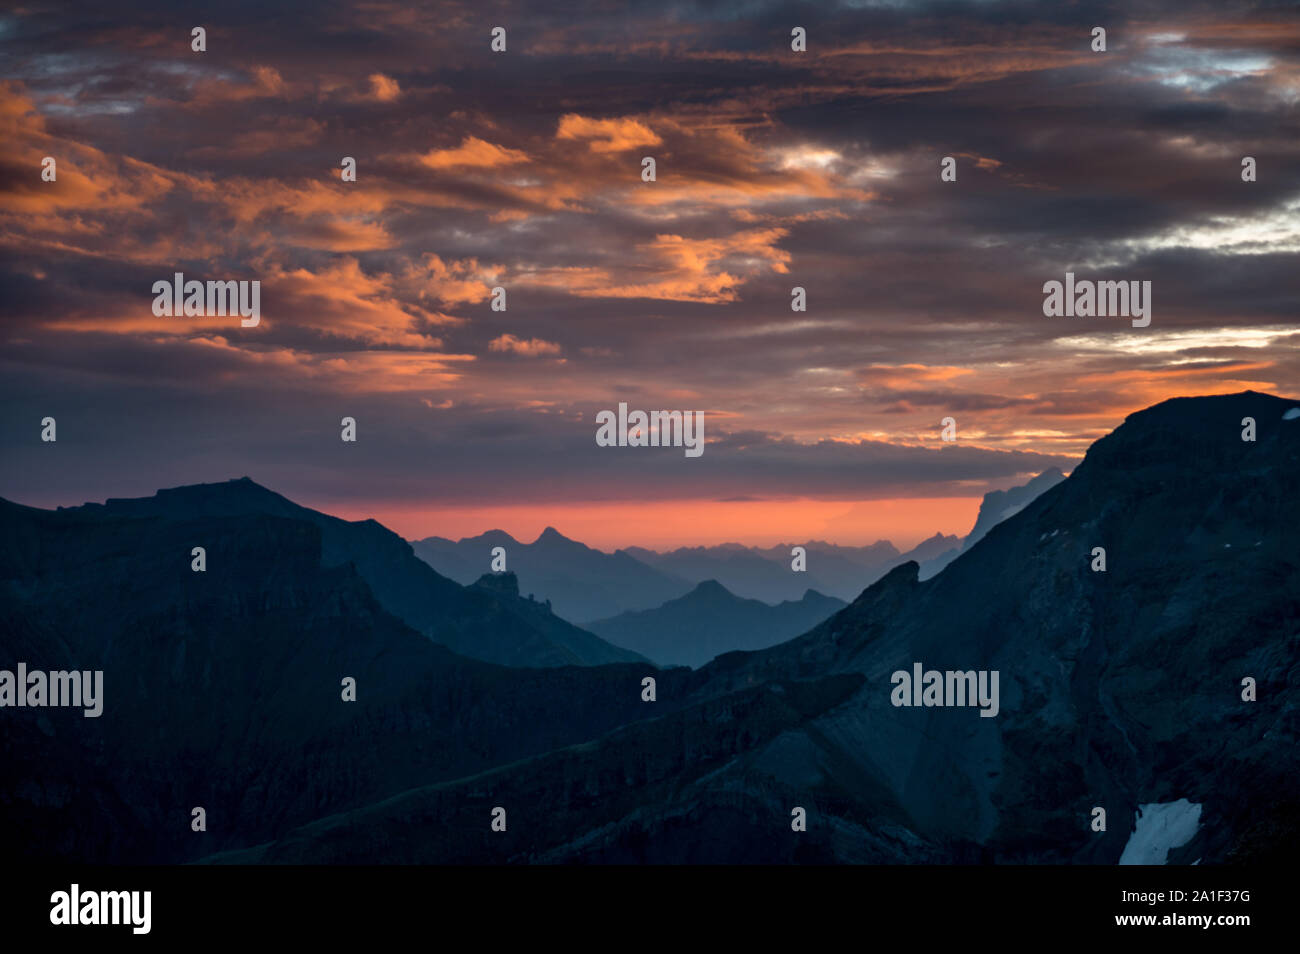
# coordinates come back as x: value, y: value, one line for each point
x: 1118, y: 689
x: 223, y: 689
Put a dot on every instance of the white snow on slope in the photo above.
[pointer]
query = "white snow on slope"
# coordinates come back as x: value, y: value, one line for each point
x: 1292, y: 414
x: 1161, y: 826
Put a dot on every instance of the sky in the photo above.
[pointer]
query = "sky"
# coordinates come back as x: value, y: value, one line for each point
x: 522, y: 170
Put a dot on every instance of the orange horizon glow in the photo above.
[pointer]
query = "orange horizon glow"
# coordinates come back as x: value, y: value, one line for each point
x: 665, y: 525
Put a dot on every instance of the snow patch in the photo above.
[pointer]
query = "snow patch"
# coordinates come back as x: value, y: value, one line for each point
x: 1292, y: 414
x: 1161, y: 826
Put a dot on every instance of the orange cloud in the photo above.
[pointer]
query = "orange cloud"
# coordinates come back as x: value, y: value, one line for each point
x: 908, y: 375
x: 341, y: 300
x: 474, y: 153
x: 340, y: 235
x: 264, y: 83
x: 530, y: 348
x: 453, y: 283
x: 383, y: 88
x: 87, y: 179
x: 606, y: 135
x: 354, y: 372
x: 703, y: 270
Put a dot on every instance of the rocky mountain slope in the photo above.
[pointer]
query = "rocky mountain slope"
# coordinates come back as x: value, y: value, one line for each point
x: 1118, y: 689
x: 709, y: 621
x: 224, y: 689
x: 996, y: 506
x: 473, y: 622
x: 580, y: 582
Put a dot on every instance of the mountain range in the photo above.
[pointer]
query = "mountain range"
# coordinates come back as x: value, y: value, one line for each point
x: 586, y: 585
x: 1162, y: 676
x: 523, y: 633
x: 581, y: 583
x: 1122, y: 690
x: 711, y: 620
x: 765, y: 573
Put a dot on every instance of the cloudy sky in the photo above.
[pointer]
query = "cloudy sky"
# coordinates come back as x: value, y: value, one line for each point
x: 522, y: 169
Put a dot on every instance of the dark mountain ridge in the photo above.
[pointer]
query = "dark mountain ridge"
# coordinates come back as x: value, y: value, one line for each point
x: 222, y: 689
x: 1119, y: 688
x: 458, y: 617
x: 581, y: 583
x: 710, y: 620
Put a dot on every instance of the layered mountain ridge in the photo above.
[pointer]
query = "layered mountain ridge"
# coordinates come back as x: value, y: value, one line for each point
x: 710, y: 620
x: 1119, y: 687
x: 441, y: 609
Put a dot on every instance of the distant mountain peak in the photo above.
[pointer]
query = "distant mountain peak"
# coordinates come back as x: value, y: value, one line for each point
x: 551, y: 535
x: 998, y: 505
x: 710, y: 588
x: 494, y: 537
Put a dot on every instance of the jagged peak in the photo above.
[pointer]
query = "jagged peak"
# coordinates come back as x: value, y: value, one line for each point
x: 551, y: 535
x: 941, y: 536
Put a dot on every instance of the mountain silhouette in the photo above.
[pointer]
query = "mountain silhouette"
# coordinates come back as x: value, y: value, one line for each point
x: 1165, y: 679
x: 1120, y: 689
x: 585, y: 584
x: 709, y: 621
x: 223, y: 689
x: 765, y: 573
x: 581, y: 583
x: 996, y: 506
x: 472, y: 622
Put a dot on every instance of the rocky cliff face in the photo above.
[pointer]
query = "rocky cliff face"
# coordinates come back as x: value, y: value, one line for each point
x: 565, y: 643
x: 996, y: 506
